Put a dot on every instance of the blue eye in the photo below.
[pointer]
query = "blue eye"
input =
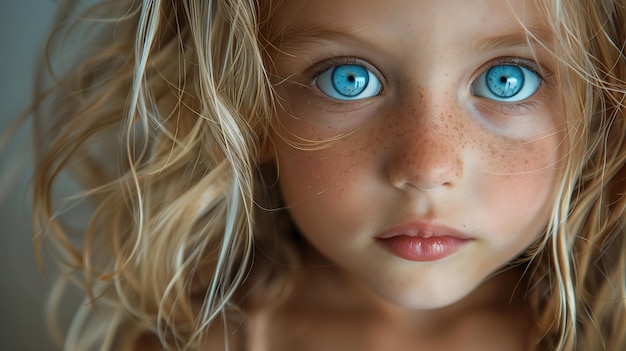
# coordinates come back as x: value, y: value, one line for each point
x: 506, y: 83
x: 348, y: 82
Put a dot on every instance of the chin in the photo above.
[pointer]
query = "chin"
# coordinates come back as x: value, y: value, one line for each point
x: 428, y: 302
x: 423, y: 298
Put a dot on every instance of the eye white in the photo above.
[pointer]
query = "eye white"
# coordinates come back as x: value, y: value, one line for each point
x: 348, y: 82
x: 519, y: 86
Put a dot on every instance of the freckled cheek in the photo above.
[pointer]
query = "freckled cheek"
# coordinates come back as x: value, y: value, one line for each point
x: 524, y: 159
x: 324, y: 191
x: 520, y: 178
x: 318, y: 159
x: 328, y: 174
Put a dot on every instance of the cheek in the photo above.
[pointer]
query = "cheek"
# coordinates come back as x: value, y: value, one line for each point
x: 327, y: 190
x: 325, y: 159
x: 320, y: 190
x: 526, y: 167
x: 329, y: 175
x: 522, y: 158
x: 518, y: 186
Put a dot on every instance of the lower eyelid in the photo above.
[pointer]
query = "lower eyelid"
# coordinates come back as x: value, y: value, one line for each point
x: 328, y: 104
x: 526, y: 107
x: 339, y: 106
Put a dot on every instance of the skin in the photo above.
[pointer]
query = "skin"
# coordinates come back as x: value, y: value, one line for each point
x: 425, y: 149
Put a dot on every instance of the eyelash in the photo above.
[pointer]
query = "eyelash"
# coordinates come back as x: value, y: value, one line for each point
x: 320, y: 67
x: 517, y: 61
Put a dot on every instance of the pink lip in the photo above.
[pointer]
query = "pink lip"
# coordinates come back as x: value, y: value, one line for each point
x: 422, y: 242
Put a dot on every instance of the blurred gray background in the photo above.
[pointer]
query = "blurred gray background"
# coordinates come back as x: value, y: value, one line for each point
x: 24, y: 25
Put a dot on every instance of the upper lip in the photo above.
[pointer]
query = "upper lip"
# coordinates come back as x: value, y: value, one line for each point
x: 422, y: 230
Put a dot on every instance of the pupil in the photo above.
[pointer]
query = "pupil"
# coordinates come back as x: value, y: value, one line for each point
x: 503, y: 79
x: 351, y: 79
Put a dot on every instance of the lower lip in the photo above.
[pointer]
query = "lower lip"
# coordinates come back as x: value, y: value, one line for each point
x: 419, y: 249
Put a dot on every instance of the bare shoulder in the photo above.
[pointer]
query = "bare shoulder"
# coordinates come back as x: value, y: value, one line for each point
x: 223, y: 336
x: 218, y: 338
x: 494, y: 330
x: 147, y: 342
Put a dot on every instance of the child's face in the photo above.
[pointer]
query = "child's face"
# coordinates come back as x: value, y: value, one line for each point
x: 451, y: 127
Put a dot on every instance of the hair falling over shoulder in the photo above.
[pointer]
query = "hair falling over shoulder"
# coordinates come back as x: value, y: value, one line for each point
x: 577, y: 272
x: 164, y: 119
x: 161, y: 123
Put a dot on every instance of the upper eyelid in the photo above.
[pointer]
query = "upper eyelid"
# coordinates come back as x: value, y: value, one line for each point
x: 532, y: 65
x: 321, y: 66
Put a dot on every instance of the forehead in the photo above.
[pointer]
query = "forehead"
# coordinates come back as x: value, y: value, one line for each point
x: 405, y: 19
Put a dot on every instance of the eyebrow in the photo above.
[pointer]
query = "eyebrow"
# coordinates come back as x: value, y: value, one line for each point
x: 521, y: 38
x: 300, y: 34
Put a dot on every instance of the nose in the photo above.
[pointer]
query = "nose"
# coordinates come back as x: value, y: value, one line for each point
x: 428, y: 149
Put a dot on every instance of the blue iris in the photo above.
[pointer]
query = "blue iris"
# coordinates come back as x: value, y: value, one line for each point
x: 348, y: 82
x: 507, y: 83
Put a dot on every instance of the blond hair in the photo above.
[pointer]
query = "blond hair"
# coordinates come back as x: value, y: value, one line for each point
x: 578, y: 270
x: 165, y: 125
x: 174, y: 104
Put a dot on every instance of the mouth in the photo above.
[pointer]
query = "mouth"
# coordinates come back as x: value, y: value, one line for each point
x: 420, y: 242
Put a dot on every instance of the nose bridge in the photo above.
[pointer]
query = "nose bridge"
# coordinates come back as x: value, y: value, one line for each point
x: 429, y: 142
